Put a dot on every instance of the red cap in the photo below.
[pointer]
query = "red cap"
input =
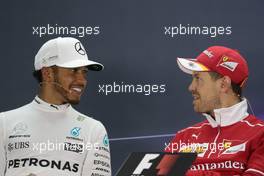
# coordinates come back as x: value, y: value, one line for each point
x: 223, y: 60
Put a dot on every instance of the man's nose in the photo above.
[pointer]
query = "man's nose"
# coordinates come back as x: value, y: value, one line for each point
x: 191, y: 86
x: 80, y: 76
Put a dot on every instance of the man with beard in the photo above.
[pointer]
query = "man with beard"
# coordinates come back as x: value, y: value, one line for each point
x: 230, y: 141
x: 48, y: 136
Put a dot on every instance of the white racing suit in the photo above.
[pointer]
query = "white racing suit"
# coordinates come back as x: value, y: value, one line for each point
x: 41, y: 139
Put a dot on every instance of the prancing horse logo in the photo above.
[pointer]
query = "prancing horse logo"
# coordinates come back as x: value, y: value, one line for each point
x: 79, y: 48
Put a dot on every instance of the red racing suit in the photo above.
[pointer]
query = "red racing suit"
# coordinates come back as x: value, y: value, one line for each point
x: 230, y: 144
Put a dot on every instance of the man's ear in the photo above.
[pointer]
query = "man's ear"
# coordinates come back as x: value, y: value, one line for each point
x: 225, y: 84
x: 47, y: 74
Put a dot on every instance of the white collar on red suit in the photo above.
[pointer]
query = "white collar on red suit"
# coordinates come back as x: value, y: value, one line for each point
x: 228, y: 116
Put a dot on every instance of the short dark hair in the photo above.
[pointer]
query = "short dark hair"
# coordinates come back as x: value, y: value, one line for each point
x: 235, y: 87
x: 37, y: 75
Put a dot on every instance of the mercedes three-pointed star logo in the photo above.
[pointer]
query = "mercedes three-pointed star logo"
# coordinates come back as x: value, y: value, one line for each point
x: 79, y: 48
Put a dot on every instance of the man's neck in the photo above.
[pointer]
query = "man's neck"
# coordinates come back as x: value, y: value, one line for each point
x: 225, y: 103
x: 50, y: 97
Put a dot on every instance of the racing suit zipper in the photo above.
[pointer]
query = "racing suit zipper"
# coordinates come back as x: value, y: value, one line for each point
x: 215, y: 140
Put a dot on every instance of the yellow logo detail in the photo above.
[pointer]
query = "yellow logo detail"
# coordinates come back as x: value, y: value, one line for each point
x: 227, y: 145
x: 199, y: 150
x: 186, y: 150
x: 225, y: 58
